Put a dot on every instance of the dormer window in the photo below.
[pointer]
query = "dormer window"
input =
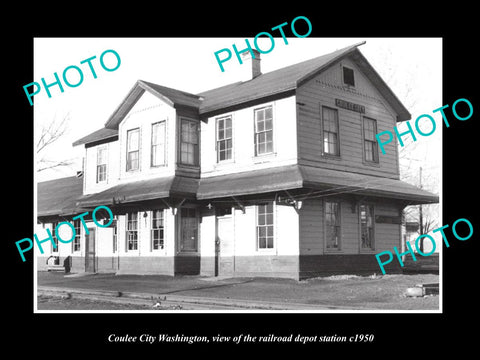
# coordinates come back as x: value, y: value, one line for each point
x: 348, y: 76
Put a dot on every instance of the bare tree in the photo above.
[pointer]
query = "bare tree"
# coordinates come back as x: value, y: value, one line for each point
x: 49, y: 134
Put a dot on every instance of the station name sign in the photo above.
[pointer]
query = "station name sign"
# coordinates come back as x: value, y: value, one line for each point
x: 350, y: 106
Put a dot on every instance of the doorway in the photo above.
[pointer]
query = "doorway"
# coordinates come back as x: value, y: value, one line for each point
x: 224, y: 254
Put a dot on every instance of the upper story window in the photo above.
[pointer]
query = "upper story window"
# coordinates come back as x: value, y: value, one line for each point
x: 224, y: 138
x: 158, y: 144
x: 330, y: 131
x: 263, y: 130
x: 348, y: 76
x: 133, y: 149
x: 101, y: 164
x: 189, y: 142
x: 370, y: 142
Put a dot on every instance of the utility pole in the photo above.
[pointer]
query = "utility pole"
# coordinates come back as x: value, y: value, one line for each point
x: 421, y: 214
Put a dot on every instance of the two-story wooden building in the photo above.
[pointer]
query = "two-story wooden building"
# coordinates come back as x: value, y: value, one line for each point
x: 279, y: 175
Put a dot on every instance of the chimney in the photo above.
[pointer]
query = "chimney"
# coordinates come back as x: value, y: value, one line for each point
x: 250, y: 68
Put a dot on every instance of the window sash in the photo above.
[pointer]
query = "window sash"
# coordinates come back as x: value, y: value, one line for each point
x: 367, y: 226
x: 224, y: 139
x: 370, y: 142
x: 157, y: 231
x: 133, y: 149
x: 332, y: 225
x: 158, y: 144
x: 265, y: 227
x: 264, y: 130
x: 189, y: 142
x: 76, y: 240
x: 101, y: 173
x: 132, y: 231
x: 330, y: 131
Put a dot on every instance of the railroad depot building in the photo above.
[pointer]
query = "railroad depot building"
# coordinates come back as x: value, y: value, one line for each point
x: 278, y: 175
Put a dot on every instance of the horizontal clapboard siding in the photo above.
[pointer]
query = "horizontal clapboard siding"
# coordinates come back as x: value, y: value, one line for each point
x: 312, y: 235
x: 322, y: 91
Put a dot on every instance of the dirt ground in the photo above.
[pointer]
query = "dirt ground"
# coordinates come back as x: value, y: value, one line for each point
x: 345, y: 292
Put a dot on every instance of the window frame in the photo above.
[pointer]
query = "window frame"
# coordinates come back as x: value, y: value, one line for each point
x: 102, y: 165
x: 128, y: 221
x: 323, y: 131
x: 225, y: 139
x: 372, y: 241
x: 128, y: 167
x: 257, y: 132
x: 372, y: 143
x: 266, y: 225
x: 76, y: 244
x: 163, y: 143
x: 160, y: 229
x: 343, y: 76
x: 338, y: 224
x: 196, y: 146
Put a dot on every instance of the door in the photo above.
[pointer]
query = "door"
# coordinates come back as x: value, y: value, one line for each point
x: 90, y: 251
x: 225, y: 257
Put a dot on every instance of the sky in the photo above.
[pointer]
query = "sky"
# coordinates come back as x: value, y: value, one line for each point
x: 411, y: 67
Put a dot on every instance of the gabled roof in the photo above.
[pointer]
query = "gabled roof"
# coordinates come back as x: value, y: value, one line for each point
x: 281, y: 82
x: 172, y: 97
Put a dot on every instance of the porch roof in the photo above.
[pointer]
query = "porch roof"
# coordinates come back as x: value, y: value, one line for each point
x: 58, y: 196
x: 323, y: 182
x: 157, y: 188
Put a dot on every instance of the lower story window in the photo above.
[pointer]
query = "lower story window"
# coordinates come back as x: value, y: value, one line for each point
x: 76, y: 240
x: 157, y: 232
x: 367, y: 230
x: 55, y: 239
x: 132, y: 231
x: 265, y: 238
x: 332, y: 224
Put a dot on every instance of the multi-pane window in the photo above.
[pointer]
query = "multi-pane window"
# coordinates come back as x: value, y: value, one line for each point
x: 224, y: 138
x: 158, y: 144
x: 133, y: 149
x: 265, y: 226
x: 132, y: 231
x: 330, y: 131
x: 189, y: 229
x: 76, y: 240
x: 55, y: 239
x: 189, y: 142
x: 157, y: 231
x: 367, y: 230
x: 332, y: 224
x: 348, y: 76
x: 370, y: 142
x: 101, y: 164
x: 263, y: 130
